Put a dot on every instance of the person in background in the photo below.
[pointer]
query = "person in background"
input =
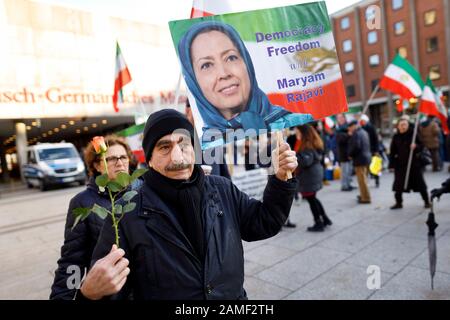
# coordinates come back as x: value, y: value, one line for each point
x: 401, y: 146
x: 373, y: 139
x: 310, y: 174
x: 79, y: 243
x: 359, y: 152
x: 382, y: 150
x: 342, y: 139
x: 318, y: 126
x: 429, y: 132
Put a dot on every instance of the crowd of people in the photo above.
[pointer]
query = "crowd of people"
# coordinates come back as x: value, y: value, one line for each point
x: 351, y: 146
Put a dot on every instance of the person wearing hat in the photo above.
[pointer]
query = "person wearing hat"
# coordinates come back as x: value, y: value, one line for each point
x: 364, y: 121
x: 359, y: 152
x: 184, y: 238
x: 342, y: 140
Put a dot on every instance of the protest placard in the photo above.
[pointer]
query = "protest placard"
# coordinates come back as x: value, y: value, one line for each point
x: 259, y: 71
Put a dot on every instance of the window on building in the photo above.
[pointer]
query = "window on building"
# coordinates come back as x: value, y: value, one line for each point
x: 372, y: 37
x: 349, y: 66
x: 397, y: 4
x: 374, y: 60
x: 402, y: 51
x: 399, y: 28
x: 370, y: 13
x: 347, y: 45
x: 434, y: 72
x: 430, y: 17
x: 345, y: 23
x: 351, y: 91
x: 374, y: 83
x: 432, y: 44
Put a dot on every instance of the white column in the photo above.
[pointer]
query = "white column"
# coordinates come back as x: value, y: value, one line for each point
x: 21, y: 145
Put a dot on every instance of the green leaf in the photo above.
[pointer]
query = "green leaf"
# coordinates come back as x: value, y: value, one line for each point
x: 102, y: 180
x: 77, y: 219
x: 129, y: 207
x: 118, y: 209
x: 129, y: 195
x: 123, y: 179
x: 80, y: 214
x: 114, y: 186
x: 100, y: 211
x: 80, y: 211
x: 137, y: 173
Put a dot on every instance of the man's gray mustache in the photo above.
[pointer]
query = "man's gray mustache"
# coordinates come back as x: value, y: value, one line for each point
x: 178, y: 166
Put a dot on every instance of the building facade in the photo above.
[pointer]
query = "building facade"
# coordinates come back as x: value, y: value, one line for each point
x: 57, y: 67
x: 370, y: 33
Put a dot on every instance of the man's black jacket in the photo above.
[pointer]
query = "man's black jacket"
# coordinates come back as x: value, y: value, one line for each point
x: 162, y: 261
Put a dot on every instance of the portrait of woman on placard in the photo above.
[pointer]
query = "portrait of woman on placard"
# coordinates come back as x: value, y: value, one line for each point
x: 219, y: 72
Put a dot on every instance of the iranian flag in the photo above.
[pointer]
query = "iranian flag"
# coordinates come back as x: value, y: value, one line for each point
x: 204, y: 8
x: 328, y: 123
x: 432, y: 104
x: 402, y: 78
x: 122, y: 78
x: 134, y: 136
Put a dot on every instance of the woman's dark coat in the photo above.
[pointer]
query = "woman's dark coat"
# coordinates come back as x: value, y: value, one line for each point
x: 309, y: 171
x: 399, y: 154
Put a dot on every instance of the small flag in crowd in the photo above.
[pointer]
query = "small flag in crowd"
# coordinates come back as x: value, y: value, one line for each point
x: 204, y: 8
x: 402, y: 78
x: 432, y: 104
x: 328, y: 122
x: 122, y: 78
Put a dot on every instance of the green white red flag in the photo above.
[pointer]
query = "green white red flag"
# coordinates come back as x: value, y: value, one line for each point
x: 204, y: 8
x: 402, y: 78
x: 328, y: 123
x: 431, y: 104
x: 122, y: 78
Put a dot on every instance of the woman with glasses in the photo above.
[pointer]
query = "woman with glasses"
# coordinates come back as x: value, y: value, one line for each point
x: 79, y: 243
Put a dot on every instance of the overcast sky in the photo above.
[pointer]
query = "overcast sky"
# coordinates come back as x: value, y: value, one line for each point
x: 162, y: 11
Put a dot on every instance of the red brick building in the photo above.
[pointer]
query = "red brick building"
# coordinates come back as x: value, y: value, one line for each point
x: 370, y: 33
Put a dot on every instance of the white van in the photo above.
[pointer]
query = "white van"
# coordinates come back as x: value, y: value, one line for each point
x: 53, y: 164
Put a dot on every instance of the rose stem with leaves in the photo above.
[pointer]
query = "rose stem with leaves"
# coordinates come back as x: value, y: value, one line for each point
x: 113, y: 209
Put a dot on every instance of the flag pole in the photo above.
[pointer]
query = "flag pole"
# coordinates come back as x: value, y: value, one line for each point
x: 411, y: 152
x: 374, y: 92
x: 134, y: 88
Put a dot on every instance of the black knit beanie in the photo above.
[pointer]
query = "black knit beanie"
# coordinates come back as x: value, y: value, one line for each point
x: 161, y: 123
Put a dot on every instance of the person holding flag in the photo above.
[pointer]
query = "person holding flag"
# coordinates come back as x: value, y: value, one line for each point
x: 402, y: 144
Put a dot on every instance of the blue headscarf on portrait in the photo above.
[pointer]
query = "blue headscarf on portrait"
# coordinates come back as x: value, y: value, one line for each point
x: 259, y: 112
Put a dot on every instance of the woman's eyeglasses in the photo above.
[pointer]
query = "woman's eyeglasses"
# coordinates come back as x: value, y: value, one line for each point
x: 115, y: 159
